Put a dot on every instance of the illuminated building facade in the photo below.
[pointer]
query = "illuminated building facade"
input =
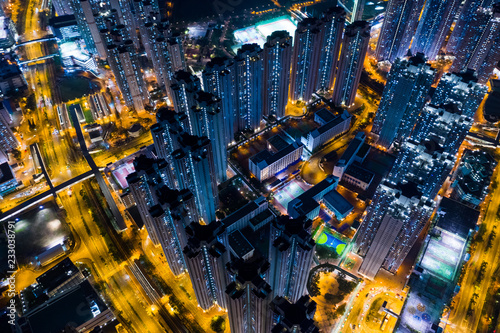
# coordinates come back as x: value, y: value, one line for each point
x: 206, y: 255
x: 291, y: 250
x: 208, y: 121
x: 403, y: 204
x: 400, y: 23
x: 354, y: 48
x: 248, y: 296
x: 404, y: 96
x: 277, y: 62
x: 434, y: 25
x: 332, y: 30
x: 249, y: 65
x: 479, y: 47
x: 462, y: 90
x: 305, y: 61
x: 219, y: 78
x: 194, y: 169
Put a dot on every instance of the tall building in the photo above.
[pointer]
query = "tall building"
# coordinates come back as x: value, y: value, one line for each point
x: 208, y: 121
x: 167, y: 131
x: 248, y: 296
x: 219, y: 78
x: 84, y: 14
x: 124, y: 62
x: 354, y: 48
x: 146, y: 11
x: 400, y: 23
x: 194, y: 169
x: 295, y: 317
x: 433, y: 27
x: 462, y: 90
x: 404, y: 96
x: 176, y: 51
x: 277, y: 62
x: 403, y: 204
x: 174, y: 211
x: 249, y: 66
x: 62, y: 7
x: 462, y: 25
x: 149, y: 173
x: 158, y: 34
x: 206, y: 255
x: 478, y: 48
x: 184, y: 88
x: 8, y: 140
x: 291, y: 251
x: 332, y: 29
x: 305, y: 61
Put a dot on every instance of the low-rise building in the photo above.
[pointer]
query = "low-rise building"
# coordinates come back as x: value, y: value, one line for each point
x: 242, y: 217
x: 279, y: 155
x: 337, y: 204
x: 358, y: 176
x: 329, y: 129
x: 60, y: 278
x: 355, y: 152
x: 307, y: 204
x: 11, y: 78
x: 8, y: 182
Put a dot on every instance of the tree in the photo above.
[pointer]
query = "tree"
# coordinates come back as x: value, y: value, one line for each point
x: 218, y: 324
x: 16, y: 153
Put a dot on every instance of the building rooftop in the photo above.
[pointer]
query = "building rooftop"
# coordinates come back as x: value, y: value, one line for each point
x: 239, y: 244
x: 324, y: 115
x: 337, y: 120
x: 353, y: 147
x: 336, y: 200
x: 360, y: 173
x: 456, y: 217
x: 261, y: 217
x: 6, y: 173
x: 55, y: 276
x: 278, y: 142
x: 266, y: 158
x: 240, y: 213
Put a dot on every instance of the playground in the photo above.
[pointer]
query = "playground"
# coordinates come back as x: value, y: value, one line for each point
x: 331, y: 241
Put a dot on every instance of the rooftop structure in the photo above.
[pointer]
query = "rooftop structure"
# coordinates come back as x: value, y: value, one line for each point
x: 307, y: 204
x: 267, y: 164
x: 327, y: 131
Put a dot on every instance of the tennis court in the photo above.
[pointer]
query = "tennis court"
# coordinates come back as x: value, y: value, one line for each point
x: 291, y: 191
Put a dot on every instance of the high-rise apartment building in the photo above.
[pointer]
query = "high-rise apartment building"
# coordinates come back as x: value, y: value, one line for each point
x: 149, y: 173
x: 62, y: 7
x: 332, y: 30
x: 291, y: 250
x: 305, y: 61
x: 124, y: 62
x: 184, y: 88
x: 403, y: 204
x: 8, y: 140
x: 354, y: 48
x: 84, y: 14
x: 248, y: 296
x: 173, y: 212
x: 146, y: 11
x: 194, y: 169
x: 478, y: 47
x: 433, y: 27
x: 277, y: 62
x: 208, y: 120
x: 219, y: 78
x: 295, y: 317
x: 167, y: 131
x: 400, y: 23
x: 404, y: 96
x: 462, y: 90
x: 462, y: 25
x: 206, y: 255
x: 249, y: 66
